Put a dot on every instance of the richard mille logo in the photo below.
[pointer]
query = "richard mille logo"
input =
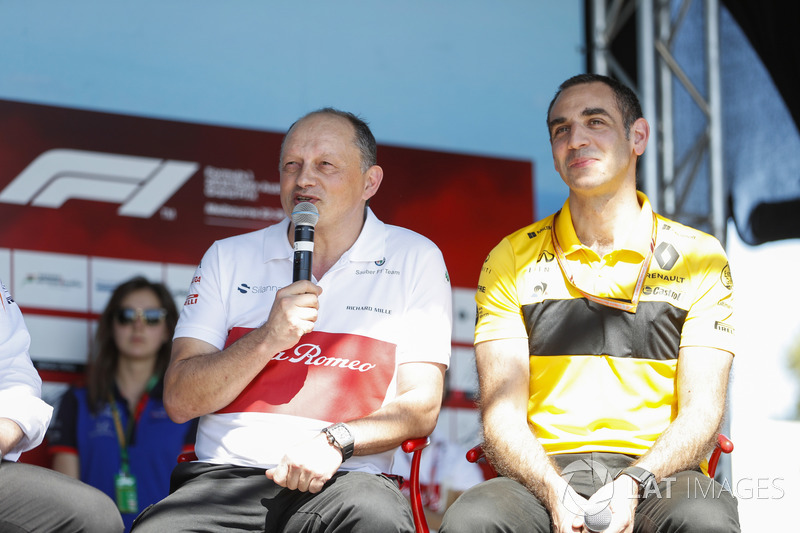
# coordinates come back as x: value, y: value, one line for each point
x: 369, y: 308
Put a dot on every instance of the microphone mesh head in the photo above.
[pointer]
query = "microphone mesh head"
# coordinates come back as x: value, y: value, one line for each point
x: 305, y: 214
x: 597, y: 517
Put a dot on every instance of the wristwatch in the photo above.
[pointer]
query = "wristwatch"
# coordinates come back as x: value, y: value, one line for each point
x: 643, y: 477
x: 340, y: 437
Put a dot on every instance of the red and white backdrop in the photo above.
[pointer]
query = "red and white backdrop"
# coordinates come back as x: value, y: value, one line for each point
x: 89, y: 199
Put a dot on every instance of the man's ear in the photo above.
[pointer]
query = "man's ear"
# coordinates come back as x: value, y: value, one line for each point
x: 640, y: 134
x: 373, y: 181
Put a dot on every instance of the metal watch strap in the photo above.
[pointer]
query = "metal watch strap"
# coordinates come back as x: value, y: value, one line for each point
x: 643, y: 477
x: 339, y: 435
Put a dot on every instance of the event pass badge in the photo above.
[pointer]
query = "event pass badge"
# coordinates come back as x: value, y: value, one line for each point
x: 125, y: 485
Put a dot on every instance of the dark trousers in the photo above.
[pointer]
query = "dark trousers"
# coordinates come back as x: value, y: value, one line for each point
x: 35, y: 499
x: 214, y: 498
x: 688, y: 502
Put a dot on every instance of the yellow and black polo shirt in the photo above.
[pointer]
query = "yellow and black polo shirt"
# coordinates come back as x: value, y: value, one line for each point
x: 603, y: 379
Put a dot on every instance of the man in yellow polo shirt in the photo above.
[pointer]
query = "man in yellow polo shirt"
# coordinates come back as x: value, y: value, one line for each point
x: 603, y: 343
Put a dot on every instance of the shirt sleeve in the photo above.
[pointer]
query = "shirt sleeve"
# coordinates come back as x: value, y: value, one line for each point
x: 499, y: 309
x: 20, y: 384
x: 710, y: 320
x: 428, y: 320
x: 204, y: 313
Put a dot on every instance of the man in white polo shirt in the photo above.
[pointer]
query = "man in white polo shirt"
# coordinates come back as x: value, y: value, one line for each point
x: 33, y: 498
x: 305, y: 389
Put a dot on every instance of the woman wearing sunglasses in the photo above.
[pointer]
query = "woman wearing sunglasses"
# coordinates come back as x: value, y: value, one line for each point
x: 114, y: 433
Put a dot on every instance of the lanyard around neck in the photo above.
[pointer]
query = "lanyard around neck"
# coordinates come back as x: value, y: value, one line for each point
x: 124, y: 437
x: 629, y: 306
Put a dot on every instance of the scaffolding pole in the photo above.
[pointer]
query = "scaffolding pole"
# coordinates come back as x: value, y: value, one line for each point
x: 669, y: 183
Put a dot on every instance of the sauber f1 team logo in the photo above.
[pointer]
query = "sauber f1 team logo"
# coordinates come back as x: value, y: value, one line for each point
x: 141, y: 184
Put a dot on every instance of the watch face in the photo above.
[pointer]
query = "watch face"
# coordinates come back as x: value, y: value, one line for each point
x: 341, y: 434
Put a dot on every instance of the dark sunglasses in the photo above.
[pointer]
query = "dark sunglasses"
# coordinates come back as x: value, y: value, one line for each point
x: 151, y: 317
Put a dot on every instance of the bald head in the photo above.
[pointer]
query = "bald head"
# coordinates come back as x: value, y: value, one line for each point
x: 362, y: 135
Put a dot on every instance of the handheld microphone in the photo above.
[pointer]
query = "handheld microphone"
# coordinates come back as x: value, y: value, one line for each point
x: 304, y: 217
x: 597, y: 517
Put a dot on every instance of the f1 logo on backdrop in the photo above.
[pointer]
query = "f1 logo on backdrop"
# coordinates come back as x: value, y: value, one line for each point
x: 141, y: 184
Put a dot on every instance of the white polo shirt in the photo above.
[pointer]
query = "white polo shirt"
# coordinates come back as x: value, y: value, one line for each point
x: 20, y: 384
x: 387, y: 301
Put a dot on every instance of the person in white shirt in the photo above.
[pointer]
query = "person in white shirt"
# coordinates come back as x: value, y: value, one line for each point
x: 32, y: 498
x: 306, y: 388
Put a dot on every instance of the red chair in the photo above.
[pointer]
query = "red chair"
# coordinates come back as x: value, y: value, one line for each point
x: 415, y: 447
x: 724, y: 445
x: 412, y: 446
